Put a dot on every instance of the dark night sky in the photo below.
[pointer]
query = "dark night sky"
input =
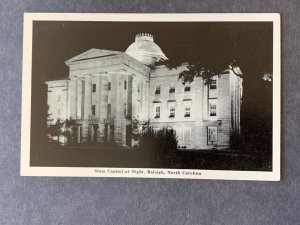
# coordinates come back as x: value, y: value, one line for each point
x: 55, y: 42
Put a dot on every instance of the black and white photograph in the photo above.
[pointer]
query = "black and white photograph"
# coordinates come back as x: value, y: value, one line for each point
x: 193, y: 96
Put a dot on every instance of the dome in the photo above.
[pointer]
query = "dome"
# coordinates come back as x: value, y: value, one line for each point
x: 145, y: 50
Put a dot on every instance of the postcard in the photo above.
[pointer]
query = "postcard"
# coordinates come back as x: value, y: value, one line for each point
x: 186, y: 96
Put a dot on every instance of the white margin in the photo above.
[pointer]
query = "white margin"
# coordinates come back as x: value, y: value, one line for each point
x: 27, y: 170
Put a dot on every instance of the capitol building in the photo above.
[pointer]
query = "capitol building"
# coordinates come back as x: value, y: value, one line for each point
x: 106, y: 90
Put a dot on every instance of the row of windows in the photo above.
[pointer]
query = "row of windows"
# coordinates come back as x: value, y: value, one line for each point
x: 109, y: 86
x: 109, y: 110
x: 125, y: 86
x: 187, y: 88
x: 187, y: 111
x: 171, y: 90
x: 212, y: 86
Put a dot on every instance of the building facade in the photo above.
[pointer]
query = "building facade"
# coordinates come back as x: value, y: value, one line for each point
x: 106, y: 90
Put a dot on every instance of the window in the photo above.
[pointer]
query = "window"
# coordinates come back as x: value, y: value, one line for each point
x: 109, y: 86
x: 125, y: 109
x: 157, y: 112
x: 187, y: 108
x: 187, y: 88
x: 125, y: 84
x: 212, y: 90
x: 212, y: 108
x: 58, y: 98
x: 172, y: 88
x: 212, y: 135
x: 58, y: 112
x: 93, y: 110
x: 157, y: 89
x: 94, y: 87
x: 172, y: 111
x: 108, y: 110
x: 138, y: 87
x: 213, y: 85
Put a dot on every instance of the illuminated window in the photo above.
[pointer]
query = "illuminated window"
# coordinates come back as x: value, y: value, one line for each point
x: 172, y: 88
x: 94, y: 87
x: 187, y: 108
x: 138, y: 87
x: 212, y: 108
x: 187, y: 88
x: 109, y: 110
x: 213, y: 85
x: 157, y: 89
x: 109, y: 86
x: 93, y: 110
x: 172, y: 111
x: 125, y: 109
x: 157, y: 112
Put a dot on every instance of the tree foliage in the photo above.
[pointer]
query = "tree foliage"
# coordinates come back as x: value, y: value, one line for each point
x: 139, y: 127
x: 71, y: 131
x: 55, y: 130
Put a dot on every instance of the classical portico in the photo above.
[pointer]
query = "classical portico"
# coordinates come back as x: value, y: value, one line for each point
x: 102, y: 94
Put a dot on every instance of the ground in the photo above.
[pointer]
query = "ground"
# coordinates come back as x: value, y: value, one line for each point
x: 137, y: 158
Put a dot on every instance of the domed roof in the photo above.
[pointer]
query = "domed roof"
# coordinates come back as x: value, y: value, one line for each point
x: 145, y: 50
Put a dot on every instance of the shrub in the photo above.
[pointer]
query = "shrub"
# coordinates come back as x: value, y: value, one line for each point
x: 236, y: 142
x: 160, y: 146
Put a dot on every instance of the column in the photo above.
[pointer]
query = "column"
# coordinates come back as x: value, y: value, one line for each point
x: 119, y: 119
x: 87, y: 108
x: 147, y: 106
x: 129, y: 101
x: 205, y: 101
x: 101, y: 126
x: 72, y: 91
x: 102, y: 96
x: 79, y: 98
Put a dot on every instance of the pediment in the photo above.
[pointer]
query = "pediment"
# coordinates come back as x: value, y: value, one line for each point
x: 92, y: 54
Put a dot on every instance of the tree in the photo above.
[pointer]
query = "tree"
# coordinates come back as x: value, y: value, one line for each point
x: 55, y: 129
x: 49, y: 121
x: 71, y: 131
x: 139, y: 127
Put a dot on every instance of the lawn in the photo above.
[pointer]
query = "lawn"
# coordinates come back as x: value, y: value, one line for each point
x: 138, y: 158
